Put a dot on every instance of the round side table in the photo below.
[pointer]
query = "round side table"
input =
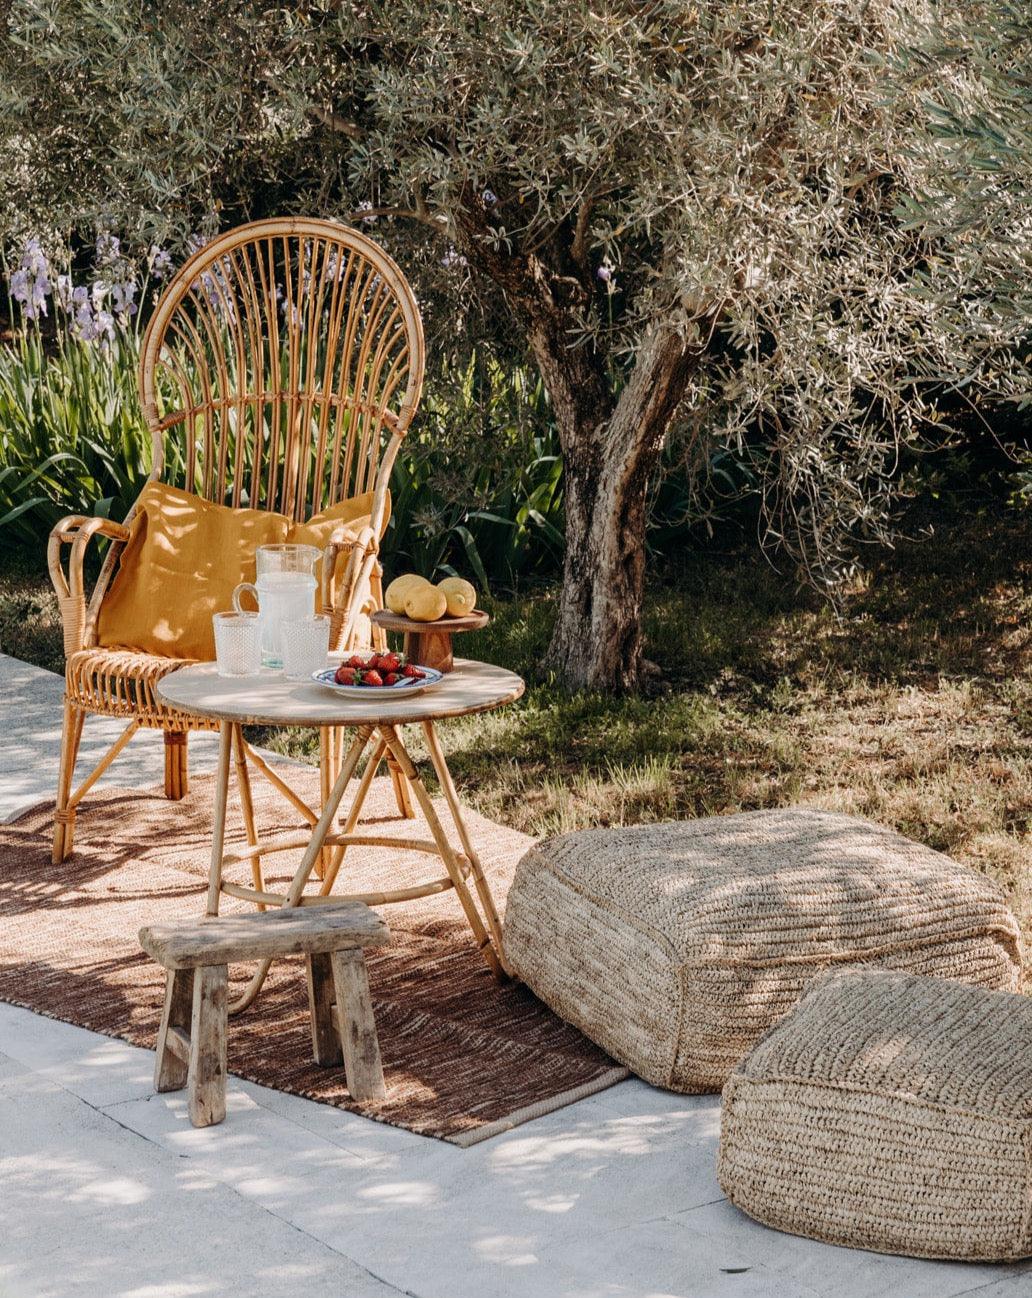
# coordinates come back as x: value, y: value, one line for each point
x: 270, y: 699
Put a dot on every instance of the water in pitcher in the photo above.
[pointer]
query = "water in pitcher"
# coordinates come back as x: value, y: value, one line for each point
x: 285, y: 589
x: 282, y: 596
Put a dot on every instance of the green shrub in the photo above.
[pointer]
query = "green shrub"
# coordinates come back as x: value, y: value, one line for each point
x: 477, y: 486
x: 72, y: 436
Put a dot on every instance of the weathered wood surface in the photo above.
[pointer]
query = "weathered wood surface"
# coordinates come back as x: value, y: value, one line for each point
x: 363, y: 1068
x: 292, y: 930
x: 170, y: 1065
x: 270, y: 699
x: 326, y: 1048
x: 208, y: 1053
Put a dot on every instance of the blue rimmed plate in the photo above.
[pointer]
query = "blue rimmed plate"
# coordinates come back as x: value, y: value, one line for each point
x: 404, y: 686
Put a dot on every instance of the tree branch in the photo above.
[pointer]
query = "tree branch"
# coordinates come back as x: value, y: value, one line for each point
x: 419, y: 213
x: 334, y: 122
x: 579, y: 247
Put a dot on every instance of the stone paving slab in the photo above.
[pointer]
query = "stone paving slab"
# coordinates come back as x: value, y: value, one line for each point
x: 106, y: 1191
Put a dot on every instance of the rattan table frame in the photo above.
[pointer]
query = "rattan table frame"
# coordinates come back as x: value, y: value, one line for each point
x: 271, y: 700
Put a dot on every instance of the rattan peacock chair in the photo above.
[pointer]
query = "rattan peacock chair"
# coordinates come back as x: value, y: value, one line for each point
x: 280, y: 370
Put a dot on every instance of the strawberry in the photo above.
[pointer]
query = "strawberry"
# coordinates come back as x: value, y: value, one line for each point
x: 389, y: 662
x: 345, y: 675
x: 391, y: 678
x: 372, y: 677
x: 413, y: 673
x: 355, y: 661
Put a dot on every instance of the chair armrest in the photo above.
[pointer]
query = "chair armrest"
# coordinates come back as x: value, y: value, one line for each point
x: 344, y: 603
x: 76, y: 530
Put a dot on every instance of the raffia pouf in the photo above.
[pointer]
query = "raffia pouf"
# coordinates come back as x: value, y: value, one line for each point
x: 889, y: 1112
x: 676, y: 946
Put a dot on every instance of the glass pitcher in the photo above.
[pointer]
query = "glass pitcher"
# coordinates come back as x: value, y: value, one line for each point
x: 284, y: 588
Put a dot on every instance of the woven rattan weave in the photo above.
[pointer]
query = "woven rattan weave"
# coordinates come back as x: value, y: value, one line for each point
x: 889, y: 1112
x: 280, y: 370
x: 676, y: 946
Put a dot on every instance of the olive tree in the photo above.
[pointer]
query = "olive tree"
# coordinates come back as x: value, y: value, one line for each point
x: 694, y: 216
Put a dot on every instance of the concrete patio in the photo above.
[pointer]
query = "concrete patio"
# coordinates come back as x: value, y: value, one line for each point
x: 106, y: 1190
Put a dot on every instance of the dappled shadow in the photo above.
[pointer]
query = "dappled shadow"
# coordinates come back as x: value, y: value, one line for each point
x: 460, y: 1051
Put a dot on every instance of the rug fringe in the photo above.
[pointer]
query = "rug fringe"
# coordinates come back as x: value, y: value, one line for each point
x: 464, y: 1139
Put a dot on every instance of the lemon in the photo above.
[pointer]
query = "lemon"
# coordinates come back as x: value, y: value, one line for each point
x: 461, y: 596
x: 425, y: 603
x: 397, y: 592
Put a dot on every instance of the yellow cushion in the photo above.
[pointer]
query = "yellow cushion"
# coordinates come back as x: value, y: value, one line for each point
x: 183, y: 559
x: 353, y: 514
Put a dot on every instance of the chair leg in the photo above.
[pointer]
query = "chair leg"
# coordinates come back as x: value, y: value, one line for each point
x: 64, y: 816
x: 177, y: 780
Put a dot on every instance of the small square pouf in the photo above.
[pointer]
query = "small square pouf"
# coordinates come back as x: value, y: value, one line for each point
x: 889, y: 1112
x: 675, y: 947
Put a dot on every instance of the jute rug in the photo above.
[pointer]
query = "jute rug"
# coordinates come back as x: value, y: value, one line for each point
x: 464, y: 1058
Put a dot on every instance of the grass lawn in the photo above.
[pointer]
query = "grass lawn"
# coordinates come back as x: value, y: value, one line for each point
x: 914, y: 708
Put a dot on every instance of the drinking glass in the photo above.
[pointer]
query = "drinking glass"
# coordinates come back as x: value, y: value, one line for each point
x: 305, y: 642
x: 238, y: 645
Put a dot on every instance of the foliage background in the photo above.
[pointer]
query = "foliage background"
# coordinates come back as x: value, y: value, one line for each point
x: 118, y: 119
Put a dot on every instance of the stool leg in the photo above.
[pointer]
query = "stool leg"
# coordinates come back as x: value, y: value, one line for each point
x: 325, y: 1041
x: 208, y: 1061
x: 362, y: 1065
x: 170, y: 1065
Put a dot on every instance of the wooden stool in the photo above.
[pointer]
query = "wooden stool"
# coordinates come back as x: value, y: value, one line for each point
x: 191, y: 1047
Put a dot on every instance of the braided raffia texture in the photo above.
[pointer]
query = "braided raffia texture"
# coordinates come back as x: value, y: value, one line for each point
x: 889, y: 1112
x: 675, y: 947
x: 121, y: 683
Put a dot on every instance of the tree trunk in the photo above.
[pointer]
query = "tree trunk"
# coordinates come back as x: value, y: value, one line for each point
x: 597, y: 638
x: 610, y: 449
x: 607, y: 466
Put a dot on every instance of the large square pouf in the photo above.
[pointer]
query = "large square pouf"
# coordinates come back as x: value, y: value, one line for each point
x: 675, y: 947
x: 889, y: 1112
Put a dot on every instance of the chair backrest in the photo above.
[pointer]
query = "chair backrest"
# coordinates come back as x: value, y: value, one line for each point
x: 281, y: 368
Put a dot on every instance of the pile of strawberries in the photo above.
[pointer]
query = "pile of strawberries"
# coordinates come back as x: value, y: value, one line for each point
x: 379, y: 669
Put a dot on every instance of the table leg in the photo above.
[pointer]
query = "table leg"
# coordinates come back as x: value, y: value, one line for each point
x: 347, y: 770
x: 218, y: 830
x: 487, y: 901
x: 351, y: 820
x: 447, y: 854
x: 247, y: 806
x: 312, y: 851
x: 328, y: 768
x: 401, y: 790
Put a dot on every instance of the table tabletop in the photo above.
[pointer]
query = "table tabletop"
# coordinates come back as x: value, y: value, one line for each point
x: 269, y: 699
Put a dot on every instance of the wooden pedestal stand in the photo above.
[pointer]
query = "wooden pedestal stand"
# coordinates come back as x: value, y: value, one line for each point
x: 430, y: 643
